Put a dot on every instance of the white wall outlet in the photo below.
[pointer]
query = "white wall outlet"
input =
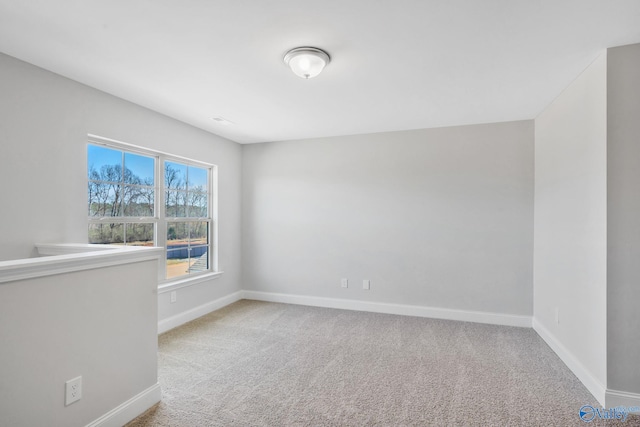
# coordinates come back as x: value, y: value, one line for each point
x: 344, y: 283
x: 174, y: 297
x: 73, y: 391
x: 557, y: 315
x: 366, y: 284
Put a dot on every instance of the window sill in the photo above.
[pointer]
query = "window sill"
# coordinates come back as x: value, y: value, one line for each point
x: 165, y: 287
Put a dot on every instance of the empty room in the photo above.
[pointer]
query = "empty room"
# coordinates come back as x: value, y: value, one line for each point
x: 336, y: 213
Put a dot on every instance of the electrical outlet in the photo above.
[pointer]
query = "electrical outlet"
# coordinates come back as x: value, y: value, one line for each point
x: 557, y: 315
x: 344, y: 283
x: 73, y: 391
x: 174, y: 297
x: 366, y: 284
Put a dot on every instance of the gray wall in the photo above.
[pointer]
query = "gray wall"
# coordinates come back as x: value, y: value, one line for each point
x: 570, y: 237
x: 438, y: 217
x: 59, y: 327
x: 44, y: 122
x: 623, y: 266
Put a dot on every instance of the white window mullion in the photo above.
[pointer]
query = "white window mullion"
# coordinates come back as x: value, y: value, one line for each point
x: 161, y: 231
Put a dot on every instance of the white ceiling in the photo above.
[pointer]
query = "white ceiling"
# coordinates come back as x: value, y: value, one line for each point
x: 396, y: 64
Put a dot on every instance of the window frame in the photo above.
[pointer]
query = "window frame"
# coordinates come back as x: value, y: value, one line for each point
x: 160, y: 220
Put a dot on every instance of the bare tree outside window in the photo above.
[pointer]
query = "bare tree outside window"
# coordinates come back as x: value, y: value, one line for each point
x: 116, y: 191
x: 186, y: 198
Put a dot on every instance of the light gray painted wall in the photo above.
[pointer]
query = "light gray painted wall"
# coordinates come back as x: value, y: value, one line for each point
x: 438, y: 217
x: 623, y: 268
x: 570, y: 234
x: 44, y: 122
x: 56, y: 328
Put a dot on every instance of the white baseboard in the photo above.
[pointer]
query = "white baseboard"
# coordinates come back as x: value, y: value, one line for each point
x: 401, y: 309
x: 595, y: 387
x: 615, y: 398
x: 130, y: 409
x: 189, y: 315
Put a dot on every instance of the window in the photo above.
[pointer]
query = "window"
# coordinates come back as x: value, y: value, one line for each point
x: 186, y: 190
x: 121, y: 197
x: 142, y: 197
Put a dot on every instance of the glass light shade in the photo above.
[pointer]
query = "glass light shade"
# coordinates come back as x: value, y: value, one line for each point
x: 306, y: 62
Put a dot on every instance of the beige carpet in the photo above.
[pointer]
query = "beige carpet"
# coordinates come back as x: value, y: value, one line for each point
x: 265, y: 364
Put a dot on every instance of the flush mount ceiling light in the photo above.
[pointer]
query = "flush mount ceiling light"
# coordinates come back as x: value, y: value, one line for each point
x: 307, y: 62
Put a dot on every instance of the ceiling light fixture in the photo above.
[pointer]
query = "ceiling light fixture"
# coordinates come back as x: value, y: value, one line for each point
x: 307, y: 62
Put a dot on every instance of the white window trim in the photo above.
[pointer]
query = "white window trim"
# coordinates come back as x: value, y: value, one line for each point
x: 181, y: 282
x: 164, y: 284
